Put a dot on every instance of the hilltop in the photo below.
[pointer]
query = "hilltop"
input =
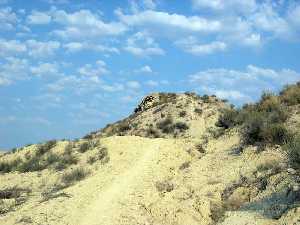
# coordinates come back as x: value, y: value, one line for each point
x: 177, y: 159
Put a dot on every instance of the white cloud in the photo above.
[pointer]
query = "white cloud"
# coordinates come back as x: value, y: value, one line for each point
x: 45, y: 69
x: 243, y: 85
x: 13, y: 69
x: 144, y: 69
x: 164, y: 22
x: 239, y: 6
x: 115, y: 87
x: 4, y: 81
x: 267, y: 19
x: 133, y: 84
x: 38, y: 18
x: 8, y: 19
x: 84, y: 24
x: 80, y: 46
x: 11, y: 47
x: 42, y: 49
x: 149, y: 4
x: 152, y: 83
x: 53, y: 2
x: 97, y: 70
x: 142, y: 45
x: 294, y: 19
x: 191, y: 45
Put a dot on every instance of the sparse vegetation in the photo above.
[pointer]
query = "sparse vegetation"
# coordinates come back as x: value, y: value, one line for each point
x: 43, y: 148
x: 18, y: 195
x: 164, y: 186
x: 166, y: 125
x: 77, y: 174
x: 151, y: 132
x: 181, y: 126
x: 198, y: 111
x: 200, y: 148
x: 228, y: 118
x: 293, y: 150
x: 182, y: 114
x: 205, y: 98
x: 261, y: 122
x: 9, y: 166
x: 85, y: 146
x: 101, y: 155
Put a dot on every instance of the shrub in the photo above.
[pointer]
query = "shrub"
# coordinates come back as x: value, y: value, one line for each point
x: 52, y: 158
x: 70, y: 177
x: 197, y: 110
x: 291, y: 94
x: 123, y: 126
x: 85, y: 146
x: 18, y: 195
x: 31, y: 165
x: 205, y: 98
x: 293, y: 150
x: 9, y: 166
x: 151, y: 132
x: 200, y: 148
x: 181, y: 126
x: 253, y: 128
x: 228, y: 118
x: 166, y: 125
x: 275, y: 133
x: 164, y: 186
x: 43, y: 148
x: 182, y: 114
x: 65, y: 160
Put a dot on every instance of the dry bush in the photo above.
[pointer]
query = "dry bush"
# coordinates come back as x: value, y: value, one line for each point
x: 164, y: 186
x: 75, y: 175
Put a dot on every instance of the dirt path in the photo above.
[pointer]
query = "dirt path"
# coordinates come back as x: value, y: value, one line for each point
x: 106, y: 207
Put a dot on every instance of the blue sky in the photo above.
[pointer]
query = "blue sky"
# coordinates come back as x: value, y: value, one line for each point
x: 68, y: 67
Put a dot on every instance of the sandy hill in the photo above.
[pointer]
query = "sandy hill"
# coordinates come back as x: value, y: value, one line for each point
x: 178, y: 159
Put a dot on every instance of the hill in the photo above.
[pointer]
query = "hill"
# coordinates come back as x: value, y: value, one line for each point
x: 178, y: 159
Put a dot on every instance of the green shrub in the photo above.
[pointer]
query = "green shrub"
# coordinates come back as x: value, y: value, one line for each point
x: 52, y: 158
x: 31, y: 165
x: 182, y: 114
x: 253, y: 128
x: 293, y: 150
x: 151, y: 132
x: 65, y: 160
x: 166, y: 125
x: 228, y: 118
x: 9, y: 166
x: 77, y: 174
x: 181, y: 126
x: 85, y: 146
x: 291, y: 94
x: 123, y: 126
x: 43, y: 148
x: 197, y: 110
x: 275, y: 133
x: 205, y: 98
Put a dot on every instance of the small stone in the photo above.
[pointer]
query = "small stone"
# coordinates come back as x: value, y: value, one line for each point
x: 296, y: 187
x: 291, y: 171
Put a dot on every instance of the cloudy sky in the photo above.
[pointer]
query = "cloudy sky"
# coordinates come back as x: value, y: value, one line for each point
x: 68, y: 67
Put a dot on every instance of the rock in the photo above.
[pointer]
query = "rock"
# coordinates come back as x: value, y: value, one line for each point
x: 291, y: 171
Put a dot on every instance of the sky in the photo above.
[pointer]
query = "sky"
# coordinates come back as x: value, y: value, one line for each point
x: 69, y: 67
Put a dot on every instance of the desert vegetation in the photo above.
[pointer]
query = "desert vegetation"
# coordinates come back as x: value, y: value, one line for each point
x: 263, y: 123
